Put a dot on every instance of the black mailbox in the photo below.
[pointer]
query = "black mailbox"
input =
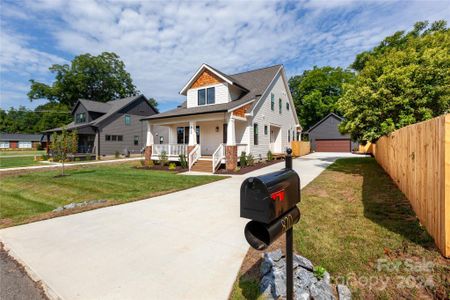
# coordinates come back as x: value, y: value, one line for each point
x: 266, y: 198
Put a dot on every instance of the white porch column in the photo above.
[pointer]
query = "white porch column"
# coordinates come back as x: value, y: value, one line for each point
x: 172, y: 134
x: 231, y: 132
x: 150, y: 140
x: 192, y: 133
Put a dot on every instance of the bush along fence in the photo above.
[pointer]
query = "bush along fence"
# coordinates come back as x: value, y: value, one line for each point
x: 300, y: 148
x: 417, y: 158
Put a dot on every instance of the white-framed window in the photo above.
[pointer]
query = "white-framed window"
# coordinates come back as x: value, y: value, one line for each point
x: 25, y: 145
x: 206, y: 96
x: 4, y: 145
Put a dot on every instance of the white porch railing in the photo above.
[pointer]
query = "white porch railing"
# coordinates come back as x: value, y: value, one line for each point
x: 217, y: 156
x: 194, y: 155
x: 170, y: 149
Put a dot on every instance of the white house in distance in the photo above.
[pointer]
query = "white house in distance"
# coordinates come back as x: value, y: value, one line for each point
x: 224, y: 115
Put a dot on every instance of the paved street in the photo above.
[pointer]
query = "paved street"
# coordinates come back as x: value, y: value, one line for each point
x: 184, y: 245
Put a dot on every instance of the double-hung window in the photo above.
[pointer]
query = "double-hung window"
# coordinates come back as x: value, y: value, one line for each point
x: 255, y: 134
x: 272, y: 102
x: 80, y: 118
x: 280, y: 105
x: 127, y: 120
x: 206, y: 96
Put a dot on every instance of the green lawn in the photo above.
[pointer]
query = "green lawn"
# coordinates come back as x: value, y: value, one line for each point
x: 23, y: 153
x: 28, y: 196
x: 352, y: 216
x: 13, y: 162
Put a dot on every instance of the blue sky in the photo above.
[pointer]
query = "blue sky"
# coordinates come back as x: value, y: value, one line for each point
x: 163, y: 43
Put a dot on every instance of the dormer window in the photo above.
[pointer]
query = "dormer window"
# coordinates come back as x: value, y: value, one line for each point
x: 80, y: 118
x: 206, y: 96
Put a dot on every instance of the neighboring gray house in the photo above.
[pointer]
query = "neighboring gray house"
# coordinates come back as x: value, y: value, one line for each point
x: 325, y: 136
x: 20, y: 141
x: 104, y: 128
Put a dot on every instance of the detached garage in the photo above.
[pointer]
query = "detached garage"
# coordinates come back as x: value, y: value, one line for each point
x: 325, y: 136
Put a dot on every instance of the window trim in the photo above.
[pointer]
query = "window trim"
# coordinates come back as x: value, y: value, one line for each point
x: 125, y: 120
x: 213, y: 88
x: 272, y: 101
x: 255, y: 134
x: 206, y: 89
x: 77, y: 118
x: 198, y: 97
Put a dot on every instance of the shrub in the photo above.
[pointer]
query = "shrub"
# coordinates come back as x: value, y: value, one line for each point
x: 269, y: 155
x: 250, y: 160
x: 142, y: 161
x: 172, y: 166
x: 44, y: 157
x: 155, y: 162
x: 183, y: 161
x: 319, y: 272
x: 77, y: 159
x: 117, y: 154
x: 163, y: 159
x: 243, y: 159
x: 89, y: 156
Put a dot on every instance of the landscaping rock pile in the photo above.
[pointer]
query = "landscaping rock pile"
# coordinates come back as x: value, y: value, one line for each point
x: 306, y: 284
x: 78, y: 204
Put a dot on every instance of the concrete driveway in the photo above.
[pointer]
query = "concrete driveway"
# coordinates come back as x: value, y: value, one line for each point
x: 184, y: 245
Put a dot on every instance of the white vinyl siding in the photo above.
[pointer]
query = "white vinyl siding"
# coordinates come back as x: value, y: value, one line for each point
x: 265, y: 116
x: 222, y: 94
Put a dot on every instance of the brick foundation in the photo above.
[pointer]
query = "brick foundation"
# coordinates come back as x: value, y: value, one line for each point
x: 148, y: 154
x: 231, y: 157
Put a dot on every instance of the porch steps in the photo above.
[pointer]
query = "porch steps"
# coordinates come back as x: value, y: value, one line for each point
x: 202, y: 165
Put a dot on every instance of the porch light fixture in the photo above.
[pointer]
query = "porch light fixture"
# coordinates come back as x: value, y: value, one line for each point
x: 217, y: 128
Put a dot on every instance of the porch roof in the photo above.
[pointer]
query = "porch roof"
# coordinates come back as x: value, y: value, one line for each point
x: 198, y: 110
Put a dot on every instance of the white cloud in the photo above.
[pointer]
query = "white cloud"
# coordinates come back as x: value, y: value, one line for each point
x: 162, y: 43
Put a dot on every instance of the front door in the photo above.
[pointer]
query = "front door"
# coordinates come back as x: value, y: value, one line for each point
x: 275, y: 139
x: 183, y: 135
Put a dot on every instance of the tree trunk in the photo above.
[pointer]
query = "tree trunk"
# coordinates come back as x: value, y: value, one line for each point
x: 62, y: 174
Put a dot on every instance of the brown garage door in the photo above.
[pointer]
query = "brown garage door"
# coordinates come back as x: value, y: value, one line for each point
x: 333, y: 145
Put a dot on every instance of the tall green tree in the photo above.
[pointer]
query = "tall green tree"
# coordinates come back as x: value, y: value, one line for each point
x: 153, y: 102
x: 316, y: 91
x: 404, y: 80
x: 99, y: 78
x: 43, y: 117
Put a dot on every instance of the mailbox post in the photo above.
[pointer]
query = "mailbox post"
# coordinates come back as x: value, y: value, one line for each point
x: 270, y: 201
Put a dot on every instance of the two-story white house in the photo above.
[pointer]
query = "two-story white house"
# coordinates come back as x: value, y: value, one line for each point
x: 224, y: 115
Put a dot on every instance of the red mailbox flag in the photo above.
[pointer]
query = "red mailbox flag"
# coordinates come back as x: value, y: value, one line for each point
x: 277, y: 196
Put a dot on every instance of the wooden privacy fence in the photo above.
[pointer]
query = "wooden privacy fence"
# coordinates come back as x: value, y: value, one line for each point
x: 300, y: 148
x: 417, y: 157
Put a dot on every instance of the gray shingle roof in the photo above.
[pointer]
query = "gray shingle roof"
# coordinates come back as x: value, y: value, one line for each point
x: 96, y: 106
x: 113, y: 107
x: 22, y: 137
x: 255, y: 81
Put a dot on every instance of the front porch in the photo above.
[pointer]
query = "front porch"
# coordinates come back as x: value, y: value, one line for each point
x: 213, y: 140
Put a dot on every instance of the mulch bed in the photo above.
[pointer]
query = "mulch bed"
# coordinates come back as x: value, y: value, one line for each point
x: 248, y: 169
x: 178, y: 169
